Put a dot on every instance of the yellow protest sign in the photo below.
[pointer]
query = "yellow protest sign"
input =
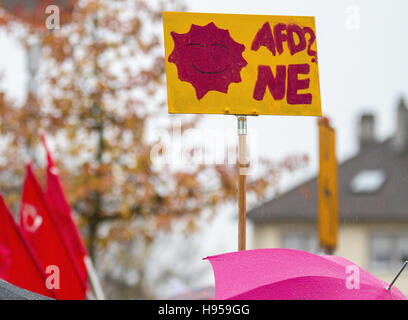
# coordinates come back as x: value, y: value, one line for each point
x: 327, y: 186
x: 241, y: 64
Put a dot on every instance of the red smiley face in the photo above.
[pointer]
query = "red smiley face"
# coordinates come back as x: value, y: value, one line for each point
x: 208, y: 58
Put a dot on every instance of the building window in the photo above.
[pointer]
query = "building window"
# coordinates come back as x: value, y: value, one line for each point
x: 368, y: 181
x: 305, y: 241
x: 388, y: 251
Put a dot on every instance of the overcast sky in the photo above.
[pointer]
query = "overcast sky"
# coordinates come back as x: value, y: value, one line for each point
x: 361, y: 48
x: 362, y: 51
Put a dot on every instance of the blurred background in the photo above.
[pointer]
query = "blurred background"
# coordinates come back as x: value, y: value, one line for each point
x: 95, y: 85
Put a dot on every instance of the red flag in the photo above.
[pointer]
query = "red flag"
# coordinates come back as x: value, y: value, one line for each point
x: 42, y: 232
x: 18, y: 265
x: 63, y: 217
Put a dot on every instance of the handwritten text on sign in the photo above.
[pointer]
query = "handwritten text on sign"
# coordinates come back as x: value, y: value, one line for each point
x: 241, y: 64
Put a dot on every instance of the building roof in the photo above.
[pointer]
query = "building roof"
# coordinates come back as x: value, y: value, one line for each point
x: 388, y: 203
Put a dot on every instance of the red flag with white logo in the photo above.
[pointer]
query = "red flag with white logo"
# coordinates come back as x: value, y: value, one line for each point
x: 18, y: 264
x: 42, y: 232
x: 61, y: 211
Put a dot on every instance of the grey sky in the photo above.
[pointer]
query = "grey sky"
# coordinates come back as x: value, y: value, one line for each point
x: 360, y: 69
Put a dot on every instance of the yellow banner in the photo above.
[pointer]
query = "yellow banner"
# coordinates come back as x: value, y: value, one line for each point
x: 241, y: 64
x: 327, y: 186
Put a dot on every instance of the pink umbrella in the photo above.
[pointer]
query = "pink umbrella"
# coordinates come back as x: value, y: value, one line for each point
x: 286, y: 274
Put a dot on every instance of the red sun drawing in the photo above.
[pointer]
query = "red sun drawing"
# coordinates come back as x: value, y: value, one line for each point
x: 208, y: 58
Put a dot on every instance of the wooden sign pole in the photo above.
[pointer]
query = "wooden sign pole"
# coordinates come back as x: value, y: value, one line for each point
x: 242, y: 170
x: 327, y: 188
x: 252, y: 91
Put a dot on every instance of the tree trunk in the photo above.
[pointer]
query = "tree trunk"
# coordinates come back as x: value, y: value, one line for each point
x: 95, y: 218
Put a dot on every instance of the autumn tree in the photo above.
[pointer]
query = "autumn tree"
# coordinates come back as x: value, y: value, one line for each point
x: 101, y: 91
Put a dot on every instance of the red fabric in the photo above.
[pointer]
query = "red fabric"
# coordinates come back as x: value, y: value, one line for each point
x: 63, y: 217
x: 42, y: 232
x: 18, y: 265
